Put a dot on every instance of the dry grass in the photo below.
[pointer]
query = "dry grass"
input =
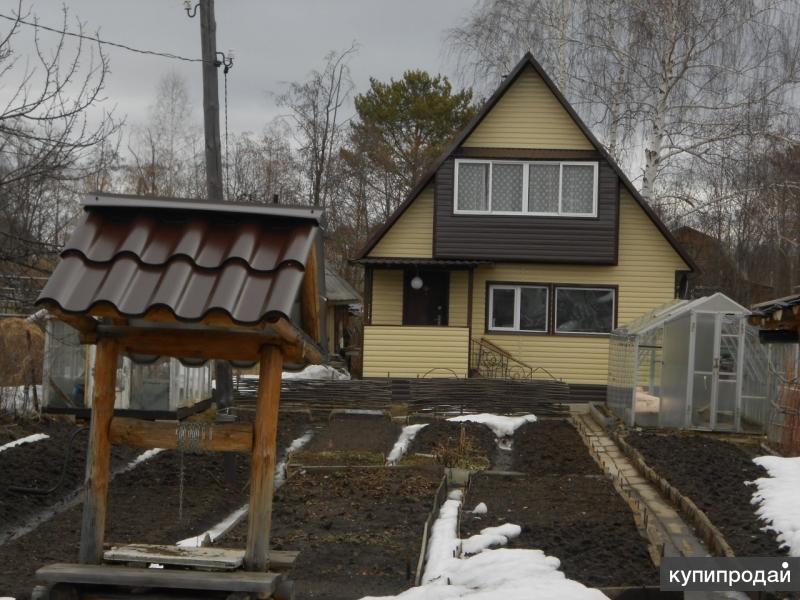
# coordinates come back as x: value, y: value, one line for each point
x: 21, y: 352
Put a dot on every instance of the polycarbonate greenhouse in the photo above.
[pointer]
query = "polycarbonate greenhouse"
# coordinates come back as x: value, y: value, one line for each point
x: 690, y: 364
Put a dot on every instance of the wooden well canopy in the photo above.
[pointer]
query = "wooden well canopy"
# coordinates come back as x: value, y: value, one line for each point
x: 194, y: 280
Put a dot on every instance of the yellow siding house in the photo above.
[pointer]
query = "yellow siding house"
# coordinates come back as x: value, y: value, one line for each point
x: 517, y: 253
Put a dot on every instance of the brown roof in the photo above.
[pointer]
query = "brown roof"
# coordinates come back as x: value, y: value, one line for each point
x: 189, y: 257
x: 429, y: 175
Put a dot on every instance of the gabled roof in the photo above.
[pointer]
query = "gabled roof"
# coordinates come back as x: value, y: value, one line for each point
x: 192, y: 258
x: 526, y: 61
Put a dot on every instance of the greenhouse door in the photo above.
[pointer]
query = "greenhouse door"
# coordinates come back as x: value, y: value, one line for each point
x: 716, y: 374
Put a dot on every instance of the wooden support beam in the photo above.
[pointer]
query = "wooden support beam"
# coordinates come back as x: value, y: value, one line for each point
x: 98, y: 461
x: 309, y: 297
x: 262, y: 462
x: 221, y: 437
x: 192, y: 343
x: 297, y: 348
x: 86, y: 325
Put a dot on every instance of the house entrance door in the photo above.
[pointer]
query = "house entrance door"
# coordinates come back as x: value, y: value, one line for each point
x: 429, y: 304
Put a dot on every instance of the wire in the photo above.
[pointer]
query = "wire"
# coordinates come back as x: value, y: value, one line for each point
x: 100, y: 41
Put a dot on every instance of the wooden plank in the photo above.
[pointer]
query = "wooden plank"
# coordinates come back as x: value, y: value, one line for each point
x: 235, y: 581
x: 201, y: 344
x: 220, y: 437
x: 262, y: 462
x: 203, y: 558
x: 98, y: 461
x: 86, y: 325
x: 309, y: 297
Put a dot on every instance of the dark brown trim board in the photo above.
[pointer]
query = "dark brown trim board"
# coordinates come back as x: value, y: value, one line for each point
x: 527, y: 61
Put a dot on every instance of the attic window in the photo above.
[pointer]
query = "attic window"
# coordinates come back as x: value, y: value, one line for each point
x: 559, y: 189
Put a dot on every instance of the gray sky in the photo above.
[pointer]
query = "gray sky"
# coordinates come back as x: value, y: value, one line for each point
x: 275, y: 41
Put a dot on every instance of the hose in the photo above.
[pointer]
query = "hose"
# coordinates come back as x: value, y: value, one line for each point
x: 50, y: 490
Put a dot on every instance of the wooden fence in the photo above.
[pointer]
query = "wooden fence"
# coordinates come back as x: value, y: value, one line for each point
x: 422, y: 396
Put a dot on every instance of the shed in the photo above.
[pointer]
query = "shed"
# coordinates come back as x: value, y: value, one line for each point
x: 693, y: 364
x: 197, y: 281
x: 341, y: 301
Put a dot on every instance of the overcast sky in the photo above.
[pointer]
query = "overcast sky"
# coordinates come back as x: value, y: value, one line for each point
x: 275, y: 41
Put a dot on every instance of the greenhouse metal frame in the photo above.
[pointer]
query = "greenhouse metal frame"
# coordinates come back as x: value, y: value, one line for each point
x: 690, y: 364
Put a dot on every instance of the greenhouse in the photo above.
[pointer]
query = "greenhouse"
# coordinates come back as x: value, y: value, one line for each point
x: 690, y: 364
x: 161, y: 387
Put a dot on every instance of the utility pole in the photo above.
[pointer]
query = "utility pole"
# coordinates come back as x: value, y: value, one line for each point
x: 208, y: 43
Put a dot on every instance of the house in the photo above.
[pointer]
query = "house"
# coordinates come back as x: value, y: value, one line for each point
x: 524, y: 241
x: 341, y: 301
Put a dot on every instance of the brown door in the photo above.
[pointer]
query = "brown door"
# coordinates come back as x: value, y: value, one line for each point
x: 427, y: 305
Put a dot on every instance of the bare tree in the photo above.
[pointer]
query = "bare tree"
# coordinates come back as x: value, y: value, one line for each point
x: 164, y: 149
x: 315, y: 108
x: 50, y: 123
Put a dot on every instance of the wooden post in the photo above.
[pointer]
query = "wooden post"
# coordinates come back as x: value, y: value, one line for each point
x: 98, y: 461
x: 262, y: 461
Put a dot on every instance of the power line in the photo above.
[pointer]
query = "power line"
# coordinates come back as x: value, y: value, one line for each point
x: 97, y: 39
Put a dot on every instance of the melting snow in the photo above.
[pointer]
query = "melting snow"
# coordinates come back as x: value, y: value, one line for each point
x: 777, y: 497
x: 501, y: 425
x: 500, y: 574
x: 232, y: 519
x: 26, y: 440
x: 480, y: 509
x: 401, y: 445
x: 316, y: 372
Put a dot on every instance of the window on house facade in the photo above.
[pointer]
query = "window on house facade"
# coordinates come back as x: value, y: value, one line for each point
x: 584, y: 310
x: 567, y: 189
x: 518, y: 308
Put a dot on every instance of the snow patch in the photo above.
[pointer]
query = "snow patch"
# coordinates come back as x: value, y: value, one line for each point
x: 216, y: 531
x: 316, y: 372
x: 400, y: 447
x: 232, y: 519
x: 501, y: 425
x: 280, y: 469
x: 480, y: 509
x: 777, y: 499
x: 488, y: 537
x: 500, y: 574
x: 26, y: 440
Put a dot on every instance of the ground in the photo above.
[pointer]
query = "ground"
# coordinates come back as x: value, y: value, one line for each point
x: 566, y: 507
x: 359, y: 528
x: 713, y: 473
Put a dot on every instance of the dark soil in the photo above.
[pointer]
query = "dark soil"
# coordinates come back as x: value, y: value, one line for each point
x: 479, y: 438
x: 143, y: 507
x: 566, y: 507
x: 39, y: 465
x: 712, y: 473
x: 540, y: 445
x: 356, y: 433
x: 358, y: 530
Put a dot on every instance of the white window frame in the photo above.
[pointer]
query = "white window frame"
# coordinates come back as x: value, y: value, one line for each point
x: 613, y: 291
x: 525, y: 182
x: 518, y: 307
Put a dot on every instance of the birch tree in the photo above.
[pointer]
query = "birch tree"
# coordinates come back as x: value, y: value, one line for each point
x: 315, y: 112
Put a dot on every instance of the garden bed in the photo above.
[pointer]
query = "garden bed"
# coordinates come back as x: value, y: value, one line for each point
x: 566, y: 507
x: 713, y: 474
x: 39, y: 464
x: 143, y: 508
x: 358, y: 530
x: 442, y: 439
x: 350, y: 439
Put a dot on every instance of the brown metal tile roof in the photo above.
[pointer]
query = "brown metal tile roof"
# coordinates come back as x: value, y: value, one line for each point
x: 187, y: 257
